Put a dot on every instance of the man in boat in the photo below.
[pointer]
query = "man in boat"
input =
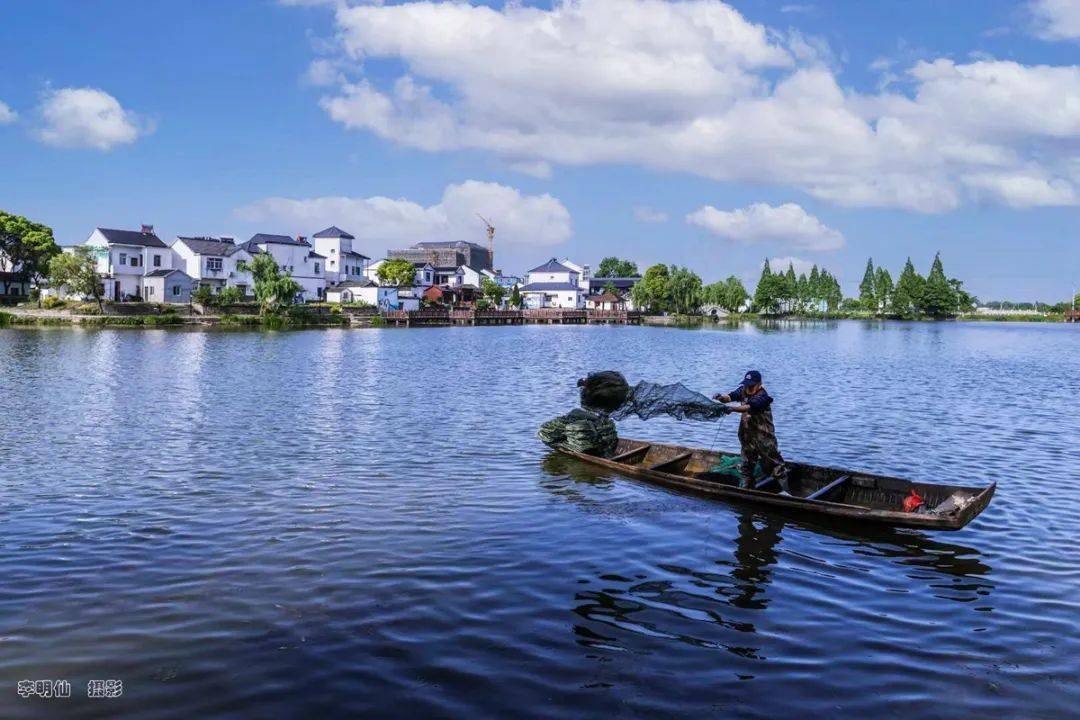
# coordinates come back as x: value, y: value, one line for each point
x: 757, y: 436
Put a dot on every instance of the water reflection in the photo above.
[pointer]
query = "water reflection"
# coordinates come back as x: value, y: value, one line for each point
x: 700, y: 606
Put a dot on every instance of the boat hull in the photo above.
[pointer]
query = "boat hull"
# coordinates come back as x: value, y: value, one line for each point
x: 854, y: 497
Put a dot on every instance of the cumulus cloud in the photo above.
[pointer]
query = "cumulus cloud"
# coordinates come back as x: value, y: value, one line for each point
x: 520, y: 220
x: 788, y: 224
x: 87, y: 118
x: 646, y: 214
x: 7, y: 115
x: 1056, y: 19
x: 533, y: 168
x: 696, y: 87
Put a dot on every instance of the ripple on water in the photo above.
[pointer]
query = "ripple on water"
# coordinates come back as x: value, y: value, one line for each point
x: 362, y: 523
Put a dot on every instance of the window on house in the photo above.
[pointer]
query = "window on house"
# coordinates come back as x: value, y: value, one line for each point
x: 150, y: 291
x: 176, y: 290
x: 334, y: 264
x: 316, y: 268
x: 213, y: 264
x: 134, y: 261
x: 333, y: 251
x: 157, y: 261
x: 123, y: 258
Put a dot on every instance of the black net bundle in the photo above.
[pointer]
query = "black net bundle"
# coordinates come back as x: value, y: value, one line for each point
x: 608, y: 392
x: 581, y: 431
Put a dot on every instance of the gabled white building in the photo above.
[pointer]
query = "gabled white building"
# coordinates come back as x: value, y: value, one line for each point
x: 125, y: 257
x: 423, y: 278
x: 294, y: 257
x: 553, y: 285
x: 343, y: 262
x: 213, y: 262
x: 584, y: 273
x: 382, y: 297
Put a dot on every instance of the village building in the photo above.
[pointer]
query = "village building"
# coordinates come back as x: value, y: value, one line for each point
x: 168, y: 286
x: 553, y: 285
x: 446, y: 256
x: 365, y: 291
x: 214, y: 262
x: 125, y: 257
x: 343, y: 262
x: 584, y: 274
x: 607, y: 301
x: 294, y: 257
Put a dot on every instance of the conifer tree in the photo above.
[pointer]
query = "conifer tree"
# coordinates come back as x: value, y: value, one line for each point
x: 906, y: 299
x: 867, y: 295
x: 883, y: 290
x: 938, y: 297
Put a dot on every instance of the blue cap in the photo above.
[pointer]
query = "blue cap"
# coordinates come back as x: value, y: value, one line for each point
x: 753, y: 377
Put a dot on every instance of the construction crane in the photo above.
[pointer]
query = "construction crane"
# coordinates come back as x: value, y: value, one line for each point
x: 491, y: 240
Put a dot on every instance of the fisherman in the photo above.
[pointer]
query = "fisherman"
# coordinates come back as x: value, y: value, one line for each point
x: 757, y: 436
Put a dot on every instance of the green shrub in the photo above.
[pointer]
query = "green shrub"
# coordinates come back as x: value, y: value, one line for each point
x: 52, y: 302
x: 378, y: 321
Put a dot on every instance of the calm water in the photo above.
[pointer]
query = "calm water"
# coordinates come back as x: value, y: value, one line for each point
x: 362, y: 523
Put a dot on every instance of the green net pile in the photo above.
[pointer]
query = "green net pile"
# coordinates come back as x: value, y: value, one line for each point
x: 581, y: 431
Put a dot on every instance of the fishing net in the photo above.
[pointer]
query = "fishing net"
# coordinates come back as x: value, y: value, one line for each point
x: 581, y: 431
x: 608, y: 391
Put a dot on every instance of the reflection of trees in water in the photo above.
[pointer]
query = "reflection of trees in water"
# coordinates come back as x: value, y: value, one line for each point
x: 675, y: 604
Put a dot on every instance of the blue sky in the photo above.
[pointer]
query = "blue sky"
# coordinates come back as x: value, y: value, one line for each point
x: 804, y: 130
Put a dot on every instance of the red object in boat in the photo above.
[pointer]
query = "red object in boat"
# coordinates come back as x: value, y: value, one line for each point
x: 913, y: 501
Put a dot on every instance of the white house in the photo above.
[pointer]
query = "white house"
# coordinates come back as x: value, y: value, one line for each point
x: 553, y: 285
x: 125, y: 257
x: 295, y: 257
x: 167, y: 286
x: 343, y: 263
x: 384, y: 298
x: 583, y: 271
x: 213, y: 262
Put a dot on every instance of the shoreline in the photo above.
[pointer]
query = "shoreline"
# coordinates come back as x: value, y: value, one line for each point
x: 301, y: 319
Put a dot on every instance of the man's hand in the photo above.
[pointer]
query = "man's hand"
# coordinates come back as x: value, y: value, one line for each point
x: 720, y: 397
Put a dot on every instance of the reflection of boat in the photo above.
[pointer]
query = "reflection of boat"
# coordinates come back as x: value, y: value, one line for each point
x: 828, y: 493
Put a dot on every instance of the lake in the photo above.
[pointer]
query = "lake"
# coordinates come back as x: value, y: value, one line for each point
x: 362, y: 523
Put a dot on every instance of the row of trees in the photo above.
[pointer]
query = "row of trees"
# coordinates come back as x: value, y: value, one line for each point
x: 26, y: 248
x: 935, y: 295
x: 669, y: 289
x: 786, y: 292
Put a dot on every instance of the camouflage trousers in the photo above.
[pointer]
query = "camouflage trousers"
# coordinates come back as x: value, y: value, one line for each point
x: 759, y: 446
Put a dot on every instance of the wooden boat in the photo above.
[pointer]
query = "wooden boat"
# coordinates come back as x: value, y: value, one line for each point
x: 828, y: 493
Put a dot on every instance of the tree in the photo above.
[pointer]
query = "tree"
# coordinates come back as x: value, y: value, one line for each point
x: 867, y: 295
x: 729, y: 294
x: 684, y: 291
x: 26, y: 247
x: 965, y: 301
x: 273, y: 291
x: 77, y: 271
x: 614, y: 267
x: 230, y: 295
x: 492, y: 291
x: 906, y: 299
x: 516, y: 300
x: 883, y: 290
x: 938, y: 296
x: 651, y: 292
x: 203, y: 295
x: 396, y: 272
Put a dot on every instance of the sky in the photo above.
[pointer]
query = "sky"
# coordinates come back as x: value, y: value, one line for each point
x: 699, y: 133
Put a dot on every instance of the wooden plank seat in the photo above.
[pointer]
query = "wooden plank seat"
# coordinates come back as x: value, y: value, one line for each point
x: 629, y: 454
x: 821, y: 491
x: 673, y: 461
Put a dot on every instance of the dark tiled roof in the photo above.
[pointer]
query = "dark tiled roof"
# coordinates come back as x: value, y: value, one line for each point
x: 314, y: 254
x: 333, y: 232
x: 132, y: 237
x: 551, y: 266
x: 164, y: 273
x: 351, y: 253
x: 210, y: 245
x: 353, y: 284
x: 548, y: 287
x: 621, y: 283
x: 260, y: 238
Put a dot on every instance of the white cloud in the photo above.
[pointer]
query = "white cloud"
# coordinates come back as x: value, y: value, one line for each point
x: 1056, y: 19
x: 788, y: 224
x: 534, y: 168
x: 521, y: 220
x: 780, y: 264
x: 87, y: 118
x: 646, y: 214
x: 695, y: 87
x: 1023, y: 190
x: 800, y: 9
x: 7, y: 115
